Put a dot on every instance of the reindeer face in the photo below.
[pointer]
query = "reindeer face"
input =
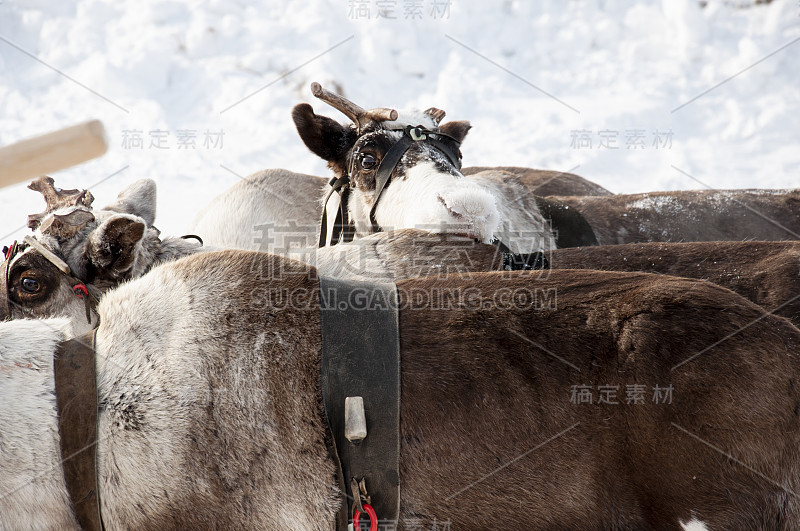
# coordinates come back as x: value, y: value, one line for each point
x: 35, y: 289
x: 93, y: 250
x: 425, y: 188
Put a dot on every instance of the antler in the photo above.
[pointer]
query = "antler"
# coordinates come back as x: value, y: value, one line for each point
x: 56, y: 198
x: 358, y: 115
x: 436, y: 114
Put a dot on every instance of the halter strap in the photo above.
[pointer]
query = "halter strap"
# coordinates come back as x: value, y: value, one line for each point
x: 341, y: 224
x: 411, y: 135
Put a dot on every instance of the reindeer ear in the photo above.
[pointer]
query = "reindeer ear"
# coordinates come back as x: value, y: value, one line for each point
x: 112, y: 246
x: 327, y: 138
x: 457, y: 129
x: 139, y: 199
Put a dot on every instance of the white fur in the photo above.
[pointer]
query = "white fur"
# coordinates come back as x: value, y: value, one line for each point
x: 522, y: 227
x: 152, y: 367
x: 411, y: 117
x: 269, y: 197
x: 32, y: 489
x: 438, y: 202
x: 693, y: 525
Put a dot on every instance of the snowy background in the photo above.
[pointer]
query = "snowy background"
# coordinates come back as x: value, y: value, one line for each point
x: 636, y: 96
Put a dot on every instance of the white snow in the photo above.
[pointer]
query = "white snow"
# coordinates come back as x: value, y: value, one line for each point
x: 538, y: 80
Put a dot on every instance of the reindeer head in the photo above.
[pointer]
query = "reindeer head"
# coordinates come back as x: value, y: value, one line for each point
x: 403, y: 169
x: 77, y: 253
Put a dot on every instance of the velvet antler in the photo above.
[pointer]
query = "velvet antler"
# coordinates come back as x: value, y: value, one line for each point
x: 358, y: 115
x: 56, y: 198
x: 436, y: 114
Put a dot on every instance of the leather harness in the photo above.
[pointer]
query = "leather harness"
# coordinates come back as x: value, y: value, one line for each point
x: 76, y: 400
x: 361, y: 358
x: 75, y: 379
x: 342, y: 230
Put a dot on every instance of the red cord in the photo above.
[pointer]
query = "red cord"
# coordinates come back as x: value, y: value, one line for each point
x: 80, y: 290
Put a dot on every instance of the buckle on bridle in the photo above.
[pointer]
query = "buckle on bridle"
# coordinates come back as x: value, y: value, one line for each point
x: 417, y: 133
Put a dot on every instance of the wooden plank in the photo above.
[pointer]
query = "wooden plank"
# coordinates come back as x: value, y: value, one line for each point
x: 51, y: 152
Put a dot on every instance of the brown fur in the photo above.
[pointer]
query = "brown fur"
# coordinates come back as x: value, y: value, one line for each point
x: 485, y: 391
x: 692, y: 216
x: 476, y: 397
x: 767, y: 273
x: 407, y: 253
x: 546, y: 182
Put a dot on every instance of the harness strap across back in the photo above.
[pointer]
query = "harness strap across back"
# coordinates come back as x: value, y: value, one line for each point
x: 361, y: 358
x: 76, y: 401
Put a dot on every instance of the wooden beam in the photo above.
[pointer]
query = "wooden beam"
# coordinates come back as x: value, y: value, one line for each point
x: 51, y: 152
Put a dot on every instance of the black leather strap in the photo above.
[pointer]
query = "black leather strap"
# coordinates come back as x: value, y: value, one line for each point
x: 361, y: 357
x: 76, y: 402
x: 387, y: 166
x: 522, y: 261
x: 342, y: 231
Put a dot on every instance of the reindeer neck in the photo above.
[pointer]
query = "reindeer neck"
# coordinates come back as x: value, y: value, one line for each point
x: 156, y: 251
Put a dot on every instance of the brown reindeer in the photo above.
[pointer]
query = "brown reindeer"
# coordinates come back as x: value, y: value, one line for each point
x: 211, y: 409
x: 545, y: 182
x: 692, y: 216
x: 767, y: 273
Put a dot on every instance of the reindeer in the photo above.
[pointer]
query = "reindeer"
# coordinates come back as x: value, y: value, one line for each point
x: 767, y: 273
x: 210, y: 412
x: 80, y: 252
x: 690, y: 216
x: 391, y: 171
x: 544, y: 183
x: 284, y: 205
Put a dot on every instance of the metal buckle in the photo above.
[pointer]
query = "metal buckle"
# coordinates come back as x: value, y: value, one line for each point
x: 416, y: 133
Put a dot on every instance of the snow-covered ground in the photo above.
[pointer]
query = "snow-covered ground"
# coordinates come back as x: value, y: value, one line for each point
x: 637, y: 96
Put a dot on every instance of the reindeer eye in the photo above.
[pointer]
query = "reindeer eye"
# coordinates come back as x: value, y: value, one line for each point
x: 368, y: 161
x: 30, y: 285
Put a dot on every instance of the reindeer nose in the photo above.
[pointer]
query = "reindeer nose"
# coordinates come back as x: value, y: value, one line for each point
x: 459, y: 216
x: 474, y: 207
x: 468, y: 205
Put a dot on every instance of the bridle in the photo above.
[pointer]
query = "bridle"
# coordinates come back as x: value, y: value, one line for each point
x: 79, y: 287
x: 342, y: 230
